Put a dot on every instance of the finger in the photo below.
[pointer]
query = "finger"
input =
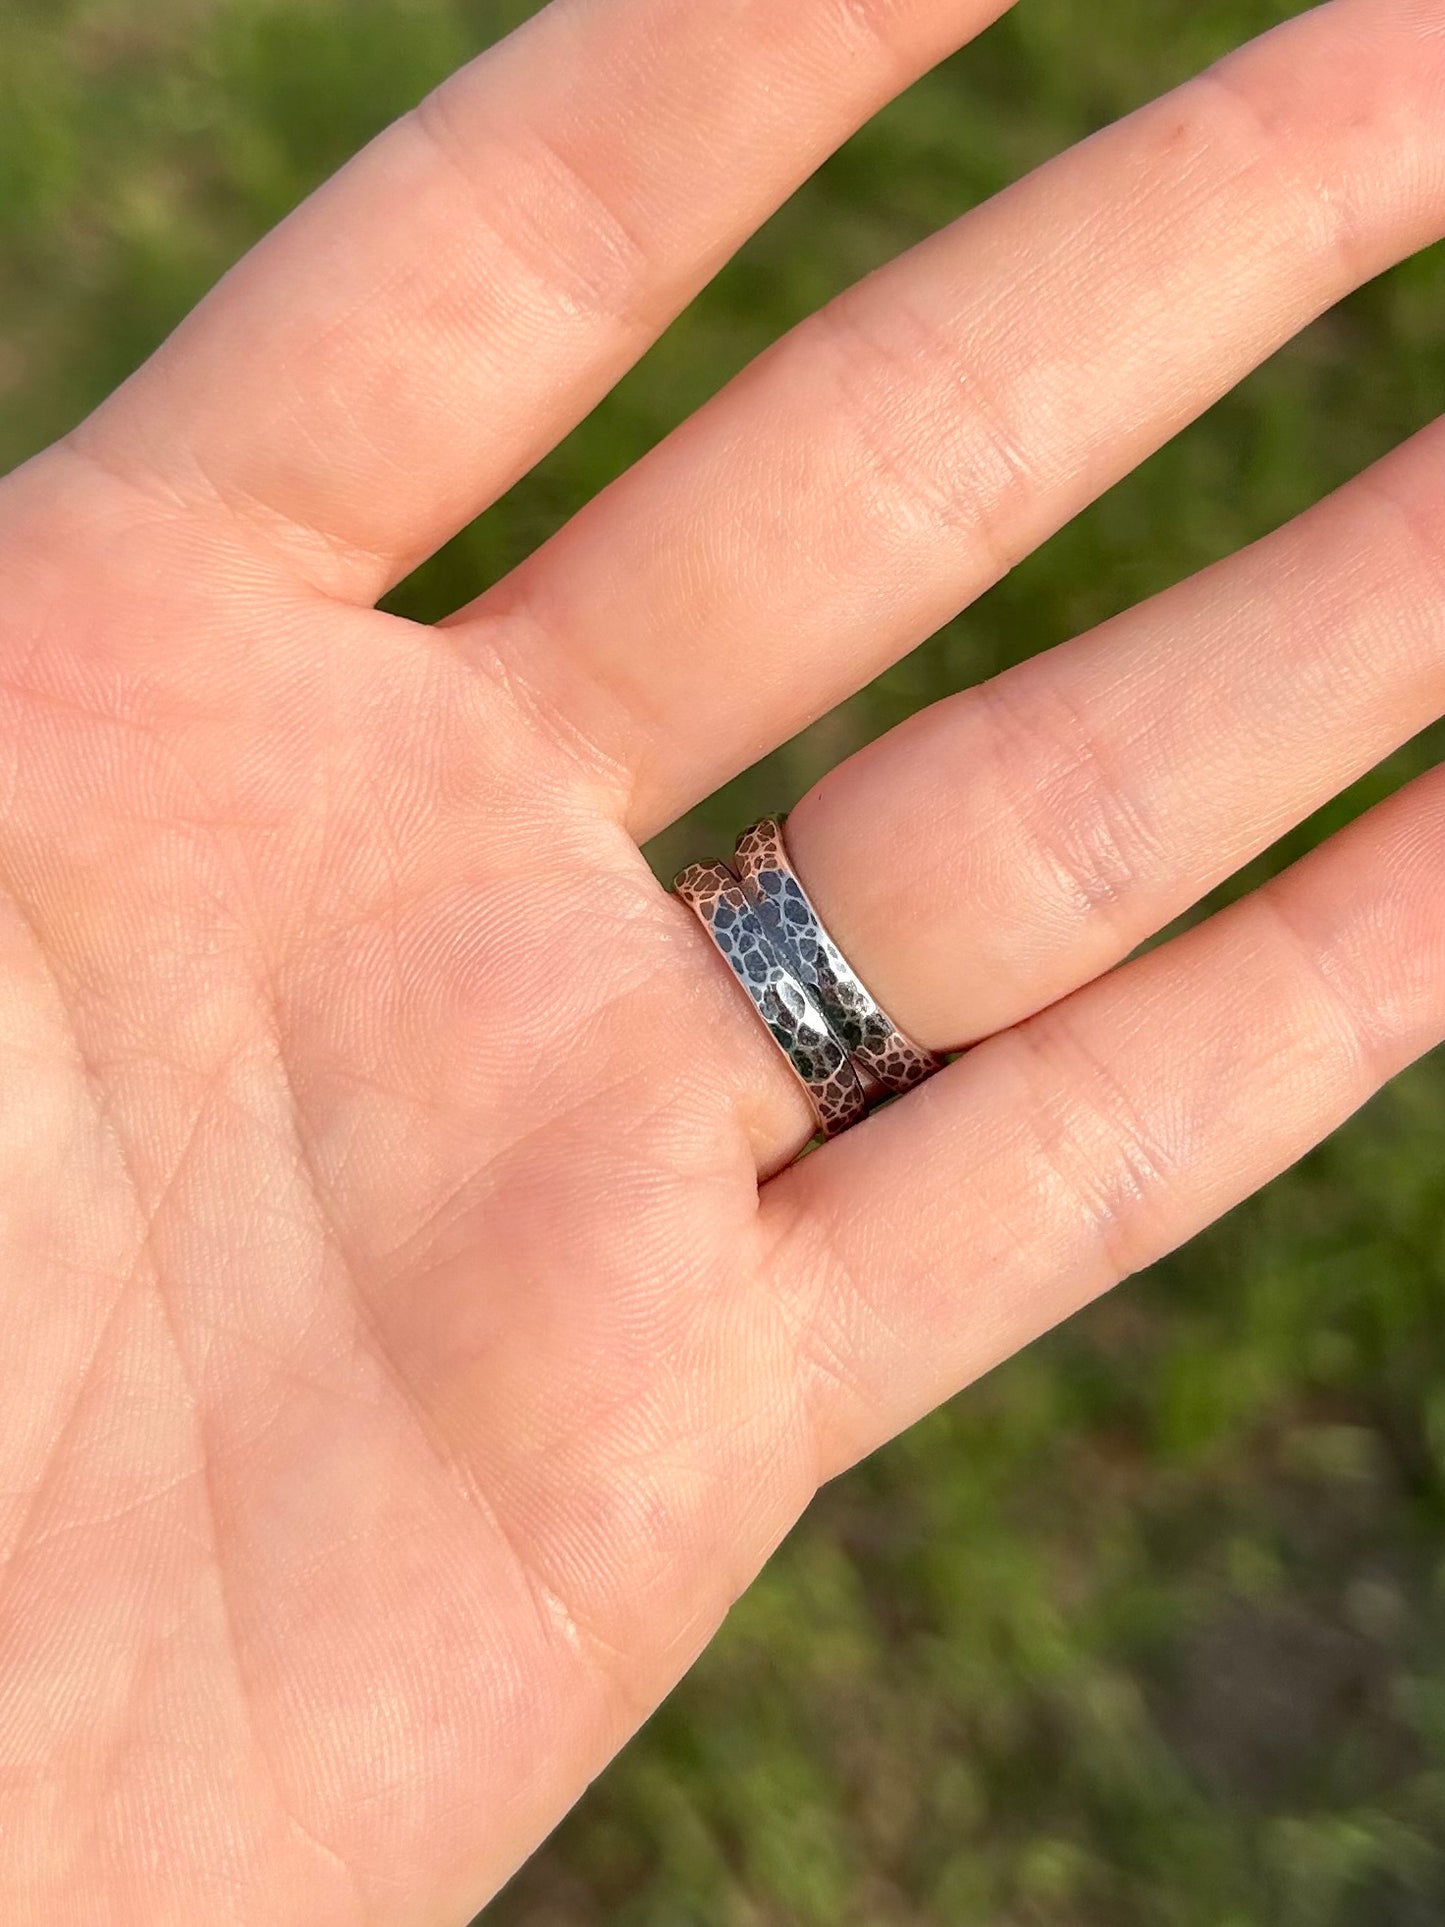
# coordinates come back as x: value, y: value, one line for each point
x: 439, y: 314
x: 1061, y: 1156
x: 1013, y: 842
x: 895, y: 454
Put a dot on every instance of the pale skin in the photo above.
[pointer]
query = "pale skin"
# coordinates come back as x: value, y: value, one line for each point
x: 415, y: 1334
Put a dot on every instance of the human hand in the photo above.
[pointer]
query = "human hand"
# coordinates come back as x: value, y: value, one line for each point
x: 405, y: 1366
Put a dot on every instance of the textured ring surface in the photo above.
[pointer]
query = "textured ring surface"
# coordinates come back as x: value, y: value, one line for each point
x: 798, y: 935
x: 797, y: 1025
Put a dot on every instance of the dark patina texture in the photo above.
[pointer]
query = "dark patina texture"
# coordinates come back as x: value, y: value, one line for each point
x: 797, y: 933
x: 797, y: 1025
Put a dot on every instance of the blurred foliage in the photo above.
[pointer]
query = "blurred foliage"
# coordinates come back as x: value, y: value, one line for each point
x: 1149, y: 1629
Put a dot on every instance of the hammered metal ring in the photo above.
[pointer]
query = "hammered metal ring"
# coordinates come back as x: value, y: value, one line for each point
x: 798, y: 934
x: 793, y: 1018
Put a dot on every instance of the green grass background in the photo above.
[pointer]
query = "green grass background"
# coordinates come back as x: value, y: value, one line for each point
x: 1149, y: 1629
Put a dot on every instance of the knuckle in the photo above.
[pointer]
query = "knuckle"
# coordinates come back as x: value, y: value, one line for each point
x: 839, y: 1402
x: 936, y: 445
x: 827, y: 1316
x: 886, y: 27
x: 1074, y: 809
x: 1350, y: 1015
x: 1094, y: 1144
x: 1412, y: 520
x: 561, y: 228
x: 1309, y: 114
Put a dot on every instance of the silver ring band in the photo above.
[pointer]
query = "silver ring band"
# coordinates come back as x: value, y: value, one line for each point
x: 879, y: 1049
x: 797, y: 1026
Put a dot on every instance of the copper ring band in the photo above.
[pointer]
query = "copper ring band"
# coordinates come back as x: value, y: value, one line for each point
x: 792, y: 1015
x: 880, y: 1051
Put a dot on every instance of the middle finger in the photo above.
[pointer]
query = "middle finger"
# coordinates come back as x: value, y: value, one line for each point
x: 886, y: 462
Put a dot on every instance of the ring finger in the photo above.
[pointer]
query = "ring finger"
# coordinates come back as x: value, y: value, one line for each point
x: 1029, y: 834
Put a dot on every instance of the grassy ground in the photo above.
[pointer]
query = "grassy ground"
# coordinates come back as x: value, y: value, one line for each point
x: 1149, y: 1630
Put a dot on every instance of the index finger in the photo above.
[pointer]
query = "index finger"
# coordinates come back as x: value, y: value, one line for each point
x: 437, y: 316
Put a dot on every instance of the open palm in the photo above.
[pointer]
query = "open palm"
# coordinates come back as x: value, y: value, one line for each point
x: 417, y: 1330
